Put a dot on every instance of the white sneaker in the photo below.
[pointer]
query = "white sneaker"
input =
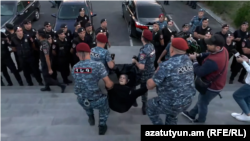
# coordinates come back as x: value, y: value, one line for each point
x: 243, y: 117
x: 235, y: 114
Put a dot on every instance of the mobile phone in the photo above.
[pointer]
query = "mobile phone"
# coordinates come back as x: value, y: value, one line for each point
x: 113, y: 56
x: 237, y: 54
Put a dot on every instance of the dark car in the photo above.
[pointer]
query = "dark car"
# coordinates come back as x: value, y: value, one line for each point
x: 69, y: 11
x: 141, y: 15
x: 16, y: 12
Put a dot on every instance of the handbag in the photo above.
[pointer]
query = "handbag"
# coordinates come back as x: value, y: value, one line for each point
x: 202, y: 85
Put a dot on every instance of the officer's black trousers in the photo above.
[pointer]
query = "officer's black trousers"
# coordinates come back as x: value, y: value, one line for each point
x: 49, y: 80
x: 27, y: 64
x: 236, y: 68
x: 37, y: 58
x: 2, y: 84
x: 63, y: 67
x: 19, y: 68
x: 54, y: 65
x: 8, y: 62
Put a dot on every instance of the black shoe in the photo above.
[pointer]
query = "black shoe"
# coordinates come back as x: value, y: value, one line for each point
x: 194, y: 7
x: 45, y: 89
x: 30, y: 84
x: 143, y: 108
x: 20, y: 83
x: 91, y: 120
x: 231, y: 81
x: 40, y: 83
x: 135, y: 104
x: 197, y: 121
x: 187, y: 115
x: 242, y: 81
x: 2, y: 84
x: 10, y: 84
x: 63, y: 87
x: 102, y: 129
x: 53, y: 6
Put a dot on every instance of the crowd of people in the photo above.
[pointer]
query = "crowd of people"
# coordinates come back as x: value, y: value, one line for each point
x: 177, y: 64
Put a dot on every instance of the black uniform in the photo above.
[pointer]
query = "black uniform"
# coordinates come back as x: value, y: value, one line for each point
x: 223, y: 35
x: 6, y: 61
x: 82, y: 20
x: 235, y: 66
x: 62, y: 54
x: 230, y: 47
x: 26, y: 58
x: 75, y: 34
x: 167, y: 33
x: 100, y: 29
x: 157, y: 37
x: 44, y: 50
x: 92, y: 38
x: 202, y: 31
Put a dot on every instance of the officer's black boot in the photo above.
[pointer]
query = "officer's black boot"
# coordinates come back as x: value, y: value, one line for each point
x: 20, y: 82
x: 143, y: 108
x: 91, y: 120
x: 102, y: 129
x: 40, y: 83
x: 2, y: 84
x: 135, y: 104
x: 30, y: 84
x: 63, y: 87
x: 9, y: 82
x: 46, y: 88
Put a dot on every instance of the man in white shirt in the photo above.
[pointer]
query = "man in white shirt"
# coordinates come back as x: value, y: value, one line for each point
x: 242, y: 95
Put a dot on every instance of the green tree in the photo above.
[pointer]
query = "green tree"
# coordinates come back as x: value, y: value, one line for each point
x: 243, y: 14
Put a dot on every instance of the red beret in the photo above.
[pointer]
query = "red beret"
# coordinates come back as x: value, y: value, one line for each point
x: 161, y: 15
x: 102, y: 38
x: 179, y: 43
x: 82, y: 47
x: 147, y: 34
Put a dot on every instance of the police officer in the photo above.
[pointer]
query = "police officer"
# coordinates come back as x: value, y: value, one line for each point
x: 77, y: 25
x: 6, y: 61
x: 49, y: 30
x: 90, y: 34
x: 100, y: 54
x: 24, y: 46
x: 174, y: 85
x: 146, y: 63
x: 162, y: 22
x: 230, y: 45
x: 103, y: 29
x: 82, y: 18
x: 31, y: 32
x: 11, y: 33
x: 197, y: 20
x: 45, y: 61
x: 184, y: 33
x: 61, y: 48
x: 224, y: 31
x: 158, y: 43
x: 201, y: 31
x: 80, y: 39
x: 168, y: 31
x: 89, y: 94
x: 239, y: 37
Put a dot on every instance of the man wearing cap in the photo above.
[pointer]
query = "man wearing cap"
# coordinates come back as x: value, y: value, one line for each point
x: 87, y: 73
x: 80, y: 39
x: 24, y: 46
x: 100, y: 54
x: 230, y: 45
x: 145, y: 63
x: 77, y: 25
x: 184, y: 33
x: 82, y: 18
x: 224, y: 31
x: 213, y: 68
x: 103, y: 29
x: 11, y: 33
x: 239, y: 36
x: 197, y: 20
x: 60, y: 49
x: 90, y: 34
x: 174, y: 85
x: 202, y: 30
x: 158, y: 42
x: 6, y: 61
x: 162, y: 23
x: 49, y: 30
x: 45, y: 62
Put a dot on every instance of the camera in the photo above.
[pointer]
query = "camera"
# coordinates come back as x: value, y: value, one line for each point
x: 113, y: 56
x: 236, y: 53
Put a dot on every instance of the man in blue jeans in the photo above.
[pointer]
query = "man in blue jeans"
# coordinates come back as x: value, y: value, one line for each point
x: 212, y: 65
x: 242, y: 95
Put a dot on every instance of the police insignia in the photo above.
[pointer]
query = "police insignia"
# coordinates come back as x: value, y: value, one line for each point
x: 74, y: 45
x: 233, y: 43
x: 208, y: 28
x: 85, y: 18
x: 33, y: 30
x: 161, y: 36
x: 26, y: 40
x: 66, y: 39
x: 41, y: 48
x: 83, y: 70
x: 247, y: 33
x: 54, y: 46
x: 3, y: 42
x: 243, y: 44
x: 142, y: 56
x: 45, y: 51
x: 54, y: 40
x: 68, y: 34
x: 101, y: 31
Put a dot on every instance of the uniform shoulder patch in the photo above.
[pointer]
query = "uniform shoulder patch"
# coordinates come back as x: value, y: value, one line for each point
x: 54, y: 47
x: 161, y: 36
x: 83, y: 70
x: 142, y: 56
x: 243, y: 44
x: 96, y: 55
x: 54, y: 40
x: 233, y: 43
x: 185, y: 69
x: 3, y: 42
x: 73, y: 45
x: 45, y: 51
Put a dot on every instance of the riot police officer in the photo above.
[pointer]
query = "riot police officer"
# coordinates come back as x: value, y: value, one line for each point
x: 201, y: 31
x: 90, y: 34
x: 146, y: 63
x: 82, y: 18
x: 77, y: 25
x: 158, y: 43
x: 80, y: 39
x: 49, y: 30
x: 24, y: 46
x: 197, y: 20
x: 103, y: 29
x: 89, y: 95
x: 6, y: 61
x: 174, y: 85
x: 100, y: 54
x: 61, y: 48
x: 230, y: 45
x: 224, y: 31
x: 45, y: 62
x: 162, y: 22
x: 11, y: 33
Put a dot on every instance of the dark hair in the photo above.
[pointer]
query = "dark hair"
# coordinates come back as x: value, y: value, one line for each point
x: 42, y: 35
x: 125, y: 76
